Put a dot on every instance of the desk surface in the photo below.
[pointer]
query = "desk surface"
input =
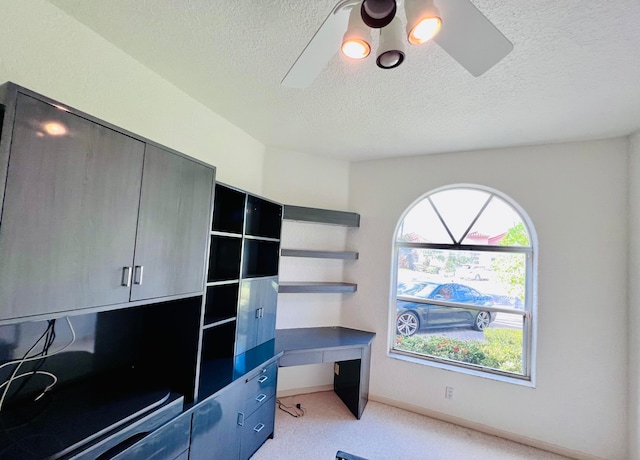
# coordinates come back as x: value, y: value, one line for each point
x: 318, y: 338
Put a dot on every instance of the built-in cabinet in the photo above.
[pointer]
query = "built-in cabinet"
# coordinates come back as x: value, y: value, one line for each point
x: 162, y: 286
x: 239, y: 326
x: 242, y: 279
x: 235, y: 422
x: 93, y: 217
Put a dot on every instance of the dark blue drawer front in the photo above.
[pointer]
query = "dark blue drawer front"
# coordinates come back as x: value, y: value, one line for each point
x: 166, y: 443
x: 259, y: 388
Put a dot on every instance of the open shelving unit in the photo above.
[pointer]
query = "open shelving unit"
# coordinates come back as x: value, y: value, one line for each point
x: 319, y: 216
x: 243, y: 265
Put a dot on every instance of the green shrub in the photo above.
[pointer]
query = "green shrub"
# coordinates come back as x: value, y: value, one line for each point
x: 501, y: 348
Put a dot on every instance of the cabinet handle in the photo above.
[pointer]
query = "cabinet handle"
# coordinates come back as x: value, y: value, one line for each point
x: 263, y: 379
x: 126, y: 276
x: 258, y: 428
x: 258, y: 312
x: 261, y: 397
x: 137, y: 274
x: 240, y: 420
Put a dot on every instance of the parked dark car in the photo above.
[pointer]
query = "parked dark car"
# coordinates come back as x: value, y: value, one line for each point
x: 412, y: 316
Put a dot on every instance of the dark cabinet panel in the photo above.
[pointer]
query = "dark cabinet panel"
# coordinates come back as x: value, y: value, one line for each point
x: 70, y: 210
x: 256, y: 312
x: 216, y: 430
x: 172, y: 226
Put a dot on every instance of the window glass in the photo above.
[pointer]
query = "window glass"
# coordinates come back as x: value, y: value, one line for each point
x: 465, y: 307
x: 422, y: 224
x: 497, y: 222
x: 459, y: 208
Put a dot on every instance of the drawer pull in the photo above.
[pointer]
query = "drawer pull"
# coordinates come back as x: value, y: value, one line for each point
x: 261, y: 397
x: 263, y: 379
x: 258, y: 428
x: 240, y: 419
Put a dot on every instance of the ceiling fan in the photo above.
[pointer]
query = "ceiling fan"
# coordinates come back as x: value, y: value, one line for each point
x: 457, y: 26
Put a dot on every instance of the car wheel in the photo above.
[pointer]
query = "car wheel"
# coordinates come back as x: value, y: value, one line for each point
x: 483, y: 319
x: 407, y: 324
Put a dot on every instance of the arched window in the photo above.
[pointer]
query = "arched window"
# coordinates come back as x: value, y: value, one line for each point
x: 464, y: 272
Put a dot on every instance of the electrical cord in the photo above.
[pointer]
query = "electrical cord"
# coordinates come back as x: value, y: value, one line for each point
x: 297, y: 411
x: 49, y: 337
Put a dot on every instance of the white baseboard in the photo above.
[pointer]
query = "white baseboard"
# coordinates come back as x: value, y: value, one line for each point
x: 456, y: 421
x: 486, y: 429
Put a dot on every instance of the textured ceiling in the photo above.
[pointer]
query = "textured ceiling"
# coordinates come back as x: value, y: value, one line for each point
x: 574, y: 74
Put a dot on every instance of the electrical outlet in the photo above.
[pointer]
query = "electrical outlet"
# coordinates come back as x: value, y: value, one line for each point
x: 448, y: 392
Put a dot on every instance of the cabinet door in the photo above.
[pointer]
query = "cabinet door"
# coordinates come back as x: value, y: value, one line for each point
x: 69, y: 217
x: 269, y: 303
x: 256, y: 312
x: 173, y: 226
x: 216, y: 432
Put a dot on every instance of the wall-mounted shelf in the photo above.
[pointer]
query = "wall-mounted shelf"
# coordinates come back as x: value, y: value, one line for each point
x: 316, y: 287
x: 321, y: 216
x: 345, y: 255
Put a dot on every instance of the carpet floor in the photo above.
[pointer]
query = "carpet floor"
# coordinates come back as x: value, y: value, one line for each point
x: 383, y: 433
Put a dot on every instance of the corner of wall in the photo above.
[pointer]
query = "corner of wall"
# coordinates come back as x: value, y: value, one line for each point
x: 633, y: 296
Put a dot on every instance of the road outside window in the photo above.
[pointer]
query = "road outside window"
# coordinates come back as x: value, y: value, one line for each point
x: 463, y: 283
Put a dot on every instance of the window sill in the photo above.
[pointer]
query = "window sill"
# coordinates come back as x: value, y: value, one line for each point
x: 461, y: 369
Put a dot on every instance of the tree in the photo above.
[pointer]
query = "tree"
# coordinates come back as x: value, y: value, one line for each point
x: 510, y: 269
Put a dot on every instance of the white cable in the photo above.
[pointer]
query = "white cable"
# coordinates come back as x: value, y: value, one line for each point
x: 20, y: 362
x: 48, y: 387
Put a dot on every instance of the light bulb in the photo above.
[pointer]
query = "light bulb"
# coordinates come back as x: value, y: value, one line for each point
x: 425, y: 30
x: 356, y: 49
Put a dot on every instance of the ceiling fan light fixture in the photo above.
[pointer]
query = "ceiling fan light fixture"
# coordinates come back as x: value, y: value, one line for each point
x: 423, y: 21
x: 424, y: 30
x: 378, y: 13
x: 391, y: 48
x: 356, y: 42
x: 356, y: 49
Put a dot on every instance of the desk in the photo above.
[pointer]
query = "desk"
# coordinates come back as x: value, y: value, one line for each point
x: 349, y: 349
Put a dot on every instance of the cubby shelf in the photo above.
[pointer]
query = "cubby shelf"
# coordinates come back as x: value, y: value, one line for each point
x: 308, y: 287
x: 219, y: 323
x: 345, y: 255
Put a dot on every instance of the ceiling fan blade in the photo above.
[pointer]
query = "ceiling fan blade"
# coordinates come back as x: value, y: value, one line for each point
x: 469, y: 37
x: 319, y: 51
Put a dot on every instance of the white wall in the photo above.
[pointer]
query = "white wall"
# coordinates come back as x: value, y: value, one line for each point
x: 576, y: 196
x: 306, y: 180
x: 47, y: 51
x: 634, y: 296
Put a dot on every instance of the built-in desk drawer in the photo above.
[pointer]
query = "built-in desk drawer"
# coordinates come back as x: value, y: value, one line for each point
x: 330, y: 356
x: 299, y: 358
x: 259, y: 388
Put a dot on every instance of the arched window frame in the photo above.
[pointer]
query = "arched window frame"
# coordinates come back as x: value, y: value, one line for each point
x: 529, y: 312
